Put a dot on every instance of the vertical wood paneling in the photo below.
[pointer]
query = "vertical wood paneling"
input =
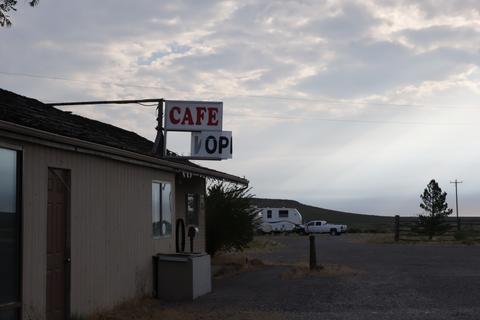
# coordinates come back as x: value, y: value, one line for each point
x: 111, y: 228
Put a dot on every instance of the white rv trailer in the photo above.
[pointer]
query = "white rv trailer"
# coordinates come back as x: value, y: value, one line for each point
x: 279, y: 219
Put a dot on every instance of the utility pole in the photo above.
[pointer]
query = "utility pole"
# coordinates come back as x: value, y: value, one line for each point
x: 456, y: 200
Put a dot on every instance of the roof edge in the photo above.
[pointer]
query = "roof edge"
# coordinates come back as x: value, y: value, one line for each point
x: 74, y: 144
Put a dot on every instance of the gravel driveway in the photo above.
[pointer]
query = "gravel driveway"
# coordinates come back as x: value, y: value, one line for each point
x: 381, y: 281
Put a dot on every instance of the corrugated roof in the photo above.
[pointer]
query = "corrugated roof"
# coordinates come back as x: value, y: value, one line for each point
x: 34, y: 114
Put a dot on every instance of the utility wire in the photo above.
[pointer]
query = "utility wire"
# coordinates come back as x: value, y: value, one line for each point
x: 148, y: 104
x: 325, y: 101
x: 280, y: 117
x: 354, y: 121
x: 29, y: 75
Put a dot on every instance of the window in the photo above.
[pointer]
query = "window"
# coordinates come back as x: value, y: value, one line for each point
x: 161, y: 209
x: 318, y: 223
x: 10, y: 246
x: 192, y: 209
x: 311, y: 223
x: 283, y: 213
x: 269, y: 214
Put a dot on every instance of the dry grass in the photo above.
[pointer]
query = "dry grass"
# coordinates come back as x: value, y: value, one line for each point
x: 388, y: 238
x: 370, y: 237
x: 263, y: 244
x: 132, y: 309
x: 231, y: 264
x: 326, y: 270
x: 150, y: 309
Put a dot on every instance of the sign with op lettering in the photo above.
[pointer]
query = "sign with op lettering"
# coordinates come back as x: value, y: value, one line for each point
x: 212, y: 145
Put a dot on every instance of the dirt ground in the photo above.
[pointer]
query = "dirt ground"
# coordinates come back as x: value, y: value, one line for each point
x: 360, y: 277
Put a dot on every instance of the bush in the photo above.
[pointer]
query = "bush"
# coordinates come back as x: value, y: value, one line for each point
x: 462, y: 235
x: 230, y: 219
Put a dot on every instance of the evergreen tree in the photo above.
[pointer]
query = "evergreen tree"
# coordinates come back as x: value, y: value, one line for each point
x: 230, y: 219
x: 436, y: 208
x: 7, y: 6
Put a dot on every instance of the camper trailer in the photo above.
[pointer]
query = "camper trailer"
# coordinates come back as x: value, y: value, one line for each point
x: 279, y: 219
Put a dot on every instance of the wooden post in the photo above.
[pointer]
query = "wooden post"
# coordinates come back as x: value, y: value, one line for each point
x: 313, y: 253
x: 397, y: 228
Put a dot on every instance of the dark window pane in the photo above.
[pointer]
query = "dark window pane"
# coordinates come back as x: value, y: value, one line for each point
x: 8, y: 185
x: 9, y: 314
x: 192, y: 209
x: 156, y: 209
x: 9, y: 257
x: 167, y: 209
x: 283, y: 213
x: 162, y: 209
x: 9, y: 254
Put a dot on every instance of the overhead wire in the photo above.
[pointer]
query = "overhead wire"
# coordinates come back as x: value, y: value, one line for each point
x: 280, y: 117
x: 148, y: 104
x: 289, y: 98
x: 414, y: 123
x: 29, y: 75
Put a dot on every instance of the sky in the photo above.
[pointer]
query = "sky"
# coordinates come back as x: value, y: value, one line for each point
x: 347, y: 105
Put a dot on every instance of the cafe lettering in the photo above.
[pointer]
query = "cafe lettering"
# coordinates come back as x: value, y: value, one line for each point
x: 193, y: 116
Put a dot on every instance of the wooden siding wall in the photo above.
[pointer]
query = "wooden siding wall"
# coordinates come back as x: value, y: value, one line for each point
x: 111, y: 228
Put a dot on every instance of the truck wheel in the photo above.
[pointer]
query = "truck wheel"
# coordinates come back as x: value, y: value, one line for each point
x: 333, y: 232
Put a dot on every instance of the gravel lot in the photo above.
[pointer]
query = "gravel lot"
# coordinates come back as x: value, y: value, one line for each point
x: 374, y: 281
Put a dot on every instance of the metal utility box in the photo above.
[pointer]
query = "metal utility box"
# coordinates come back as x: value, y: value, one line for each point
x: 182, y: 276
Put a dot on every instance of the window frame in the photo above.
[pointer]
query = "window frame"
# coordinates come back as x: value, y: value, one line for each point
x: 17, y: 305
x: 282, y: 212
x: 269, y: 214
x: 172, y: 208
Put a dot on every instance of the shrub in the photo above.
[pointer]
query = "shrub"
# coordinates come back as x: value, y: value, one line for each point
x: 230, y: 218
x: 462, y: 235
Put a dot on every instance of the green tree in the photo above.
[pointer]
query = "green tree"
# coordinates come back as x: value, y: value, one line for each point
x: 10, y: 5
x: 436, y: 208
x: 230, y: 218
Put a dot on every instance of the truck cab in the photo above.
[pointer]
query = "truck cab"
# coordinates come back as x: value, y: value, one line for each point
x: 321, y: 226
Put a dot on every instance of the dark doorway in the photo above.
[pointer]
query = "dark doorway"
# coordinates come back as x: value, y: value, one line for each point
x: 58, y: 244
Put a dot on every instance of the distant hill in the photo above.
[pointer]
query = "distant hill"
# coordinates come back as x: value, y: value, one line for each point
x: 364, y: 222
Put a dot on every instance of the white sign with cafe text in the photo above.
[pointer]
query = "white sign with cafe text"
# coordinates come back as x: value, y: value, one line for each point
x: 212, y: 145
x: 193, y: 116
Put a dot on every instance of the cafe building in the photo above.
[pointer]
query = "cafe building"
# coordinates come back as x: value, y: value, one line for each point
x: 84, y: 206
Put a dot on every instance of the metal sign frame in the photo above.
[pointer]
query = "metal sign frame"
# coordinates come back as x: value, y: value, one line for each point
x: 160, y: 144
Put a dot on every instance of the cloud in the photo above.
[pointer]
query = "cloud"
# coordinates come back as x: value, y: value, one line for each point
x: 286, y: 71
x: 350, y: 20
x: 443, y: 36
x: 373, y: 68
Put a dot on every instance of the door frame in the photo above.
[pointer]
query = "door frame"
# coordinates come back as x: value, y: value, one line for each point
x: 67, y: 185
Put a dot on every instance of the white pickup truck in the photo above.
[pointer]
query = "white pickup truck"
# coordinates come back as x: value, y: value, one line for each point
x: 320, y: 226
